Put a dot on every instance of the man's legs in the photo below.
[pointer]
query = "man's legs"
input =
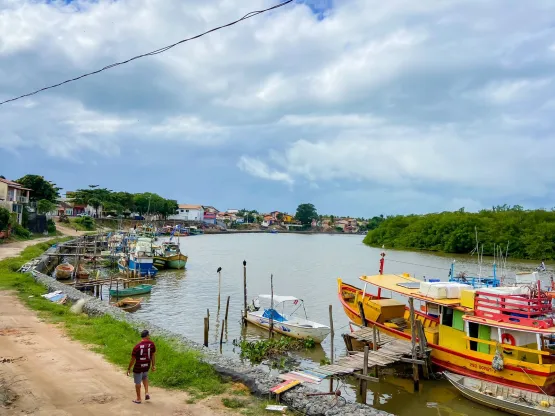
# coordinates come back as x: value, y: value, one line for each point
x: 145, y: 383
x: 137, y: 379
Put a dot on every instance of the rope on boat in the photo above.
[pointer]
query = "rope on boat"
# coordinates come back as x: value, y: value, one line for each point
x: 524, y: 371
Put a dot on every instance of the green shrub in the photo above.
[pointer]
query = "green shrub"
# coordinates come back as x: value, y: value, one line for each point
x: 85, y: 223
x: 19, y: 231
x: 51, y: 226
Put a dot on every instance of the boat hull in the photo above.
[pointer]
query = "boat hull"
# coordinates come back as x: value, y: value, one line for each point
x: 160, y: 262
x: 129, y: 304
x: 177, y: 261
x: 143, y: 272
x: 63, y: 273
x: 131, y: 291
x: 495, y: 403
x: 475, y: 364
x: 316, y: 334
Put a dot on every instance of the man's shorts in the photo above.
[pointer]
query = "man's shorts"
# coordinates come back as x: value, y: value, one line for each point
x: 139, y: 377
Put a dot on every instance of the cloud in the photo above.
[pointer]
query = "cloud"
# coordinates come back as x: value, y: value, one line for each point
x: 373, y: 104
x: 261, y: 170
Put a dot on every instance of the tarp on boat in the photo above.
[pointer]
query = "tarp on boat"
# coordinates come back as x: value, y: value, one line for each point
x: 279, y: 299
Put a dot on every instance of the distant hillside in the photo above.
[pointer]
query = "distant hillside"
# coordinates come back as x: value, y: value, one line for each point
x: 530, y: 233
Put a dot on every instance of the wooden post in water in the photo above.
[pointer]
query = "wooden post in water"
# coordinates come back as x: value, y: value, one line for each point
x: 224, y: 323
x: 245, y: 292
x: 413, y: 343
x: 375, y: 348
x: 219, y: 271
x: 332, y: 334
x: 363, y: 382
x: 206, y: 323
x: 423, y: 347
x: 271, y: 334
x: 208, y: 316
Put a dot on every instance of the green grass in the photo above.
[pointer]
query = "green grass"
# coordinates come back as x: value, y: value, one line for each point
x: 177, y: 367
x: 82, y: 223
x: 233, y: 403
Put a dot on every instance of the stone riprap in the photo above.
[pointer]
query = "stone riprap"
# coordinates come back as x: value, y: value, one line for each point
x: 257, y: 378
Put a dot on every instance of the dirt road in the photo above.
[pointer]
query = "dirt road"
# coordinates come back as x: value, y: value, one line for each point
x: 14, y: 249
x: 66, y: 229
x: 52, y: 375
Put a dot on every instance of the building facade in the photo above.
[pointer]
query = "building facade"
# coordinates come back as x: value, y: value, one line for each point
x: 188, y: 212
x: 14, y: 197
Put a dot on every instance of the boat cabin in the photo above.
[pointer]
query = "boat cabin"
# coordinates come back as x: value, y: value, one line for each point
x: 465, y: 327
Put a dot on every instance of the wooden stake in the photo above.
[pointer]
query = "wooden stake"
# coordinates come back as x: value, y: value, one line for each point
x: 272, y: 307
x: 363, y: 382
x: 224, y: 323
x: 208, y: 316
x: 423, y: 348
x: 413, y: 343
x: 219, y: 286
x: 206, y: 323
x: 332, y: 334
x: 245, y: 291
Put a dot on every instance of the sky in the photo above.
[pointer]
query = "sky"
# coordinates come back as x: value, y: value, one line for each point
x: 361, y: 107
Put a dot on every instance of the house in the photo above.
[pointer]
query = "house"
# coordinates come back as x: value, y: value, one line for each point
x: 210, y: 214
x: 14, y: 197
x: 288, y: 218
x: 233, y: 211
x: 268, y: 220
x: 188, y: 212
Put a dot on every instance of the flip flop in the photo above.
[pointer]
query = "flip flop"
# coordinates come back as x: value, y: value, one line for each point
x: 136, y: 402
x: 147, y: 397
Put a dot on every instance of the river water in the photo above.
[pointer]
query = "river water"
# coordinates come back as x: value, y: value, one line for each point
x: 305, y: 266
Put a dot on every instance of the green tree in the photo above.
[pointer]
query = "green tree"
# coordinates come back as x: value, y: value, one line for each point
x: 306, y: 213
x: 279, y: 217
x: 40, y: 188
x: 45, y: 206
x: 5, y: 218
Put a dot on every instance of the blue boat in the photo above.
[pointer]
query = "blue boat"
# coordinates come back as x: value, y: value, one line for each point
x: 474, y: 281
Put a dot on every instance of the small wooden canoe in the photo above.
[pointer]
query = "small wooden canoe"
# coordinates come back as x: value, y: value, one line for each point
x: 129, y: 304
x: 508, y: 399
x: 131, y: 291
x: 82, y: 273
x: 64, y: 271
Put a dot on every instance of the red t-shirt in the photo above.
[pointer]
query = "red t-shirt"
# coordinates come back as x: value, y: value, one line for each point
x: 143, y: 355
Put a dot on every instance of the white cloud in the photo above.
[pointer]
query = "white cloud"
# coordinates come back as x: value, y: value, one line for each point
x: 260, y: 169
x: 400, y: 94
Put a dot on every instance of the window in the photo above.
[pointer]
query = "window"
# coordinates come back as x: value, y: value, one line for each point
x: 186, y: 210
x: 182, y: 210
x: 473, y: 329
x: 447, y: 317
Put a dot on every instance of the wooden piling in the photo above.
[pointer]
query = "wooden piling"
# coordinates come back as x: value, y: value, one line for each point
x: 363, y: 382
x: 245, y: 292
x: 219, y: 286
x: 208, y: 316
x: 271, y: 334
x: 206, y: 323
x: 224, y: 323
x: 423, y: 348
x: 413, y: 343
x: 332, y: 335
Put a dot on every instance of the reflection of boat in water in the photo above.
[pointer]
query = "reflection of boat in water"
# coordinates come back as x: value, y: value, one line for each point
x: 287, y: 324
x: 466, y: 328
x: 511, y: 400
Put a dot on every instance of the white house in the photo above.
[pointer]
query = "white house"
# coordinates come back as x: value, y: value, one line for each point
x: 188, y: 213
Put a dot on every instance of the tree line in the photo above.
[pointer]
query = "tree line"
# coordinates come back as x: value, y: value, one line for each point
x: 530, y: 234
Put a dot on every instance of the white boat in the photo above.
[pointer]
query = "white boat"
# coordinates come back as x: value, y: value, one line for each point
x: 286, y: 324
x: 508, y: 399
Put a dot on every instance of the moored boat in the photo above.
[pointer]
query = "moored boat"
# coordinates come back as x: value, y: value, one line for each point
x: 511, y: 400
x: 64, y: 271
x: 289, y: 325
x: 82, y: 273
x: 129, y: 304
x: 169, y: 256
x: 131, y: 291
x: 465, y: 327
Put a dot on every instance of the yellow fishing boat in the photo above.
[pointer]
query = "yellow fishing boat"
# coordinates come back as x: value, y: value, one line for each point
x: 466, y: 332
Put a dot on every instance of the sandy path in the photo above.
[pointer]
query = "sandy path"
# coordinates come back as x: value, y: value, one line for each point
x: 14, y: 249
x: 61, y: 377
x: 67, y: 230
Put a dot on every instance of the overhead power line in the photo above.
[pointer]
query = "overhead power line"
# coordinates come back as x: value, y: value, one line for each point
x: 156, y: 52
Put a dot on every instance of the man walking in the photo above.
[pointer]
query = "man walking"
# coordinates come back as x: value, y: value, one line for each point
x: 144, y: 353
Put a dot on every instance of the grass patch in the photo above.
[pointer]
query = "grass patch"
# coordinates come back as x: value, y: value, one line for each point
x: 82, y: 223
x: 177, y: 367
x: 233, y: 403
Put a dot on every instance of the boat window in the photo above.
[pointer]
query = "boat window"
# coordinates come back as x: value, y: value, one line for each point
x: 447, y: 317
x: 473, y: 329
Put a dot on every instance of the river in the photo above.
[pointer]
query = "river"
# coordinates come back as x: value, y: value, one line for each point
x: 305, y: 266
